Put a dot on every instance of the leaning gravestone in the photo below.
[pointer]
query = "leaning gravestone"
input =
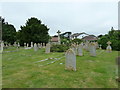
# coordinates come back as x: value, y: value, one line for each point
x: 80, y: 51
x: 70, y: 63
x: 35, y: 47
x: 109, y: 48
x: 27, y: 45
x: 92, y: 49
x: 47, y: 50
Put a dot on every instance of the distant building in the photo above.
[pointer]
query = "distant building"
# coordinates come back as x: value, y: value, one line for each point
x: 54, y: 39
x: 90, y: 38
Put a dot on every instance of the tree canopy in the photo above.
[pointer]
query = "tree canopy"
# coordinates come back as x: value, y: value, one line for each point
x: 33, y: 31
x: 113, y: 36
x: 8, y: 32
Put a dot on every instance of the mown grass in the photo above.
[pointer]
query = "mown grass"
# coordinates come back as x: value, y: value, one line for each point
x: 21, y: 70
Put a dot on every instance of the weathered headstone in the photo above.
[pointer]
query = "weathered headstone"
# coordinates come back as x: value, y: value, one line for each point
x: 47, y: 50
x: 92, y: 49
x: 74, y: 48
x: 80, y: 51
x: 70, y: 63
x: 35, y: 47
x: 109, y: 48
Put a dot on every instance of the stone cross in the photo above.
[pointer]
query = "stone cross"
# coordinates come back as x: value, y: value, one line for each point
x: 70, y: 63
x: 59, y: 41
x: 109, y: 48
x: 92, y: 49
x: 35, y: 47
x: 47, y: 50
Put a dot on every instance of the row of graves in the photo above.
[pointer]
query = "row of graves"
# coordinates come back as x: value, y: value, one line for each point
x: 77, y: 49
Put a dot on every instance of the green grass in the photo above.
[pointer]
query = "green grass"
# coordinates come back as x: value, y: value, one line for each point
x: 21, y: 71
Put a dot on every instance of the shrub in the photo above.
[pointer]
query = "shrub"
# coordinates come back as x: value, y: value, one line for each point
x: 59, y: 48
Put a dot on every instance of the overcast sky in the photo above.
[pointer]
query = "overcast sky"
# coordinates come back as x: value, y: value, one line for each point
x: 95, y: 17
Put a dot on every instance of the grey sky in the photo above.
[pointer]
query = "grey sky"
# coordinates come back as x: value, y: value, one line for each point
x: 90, y: 17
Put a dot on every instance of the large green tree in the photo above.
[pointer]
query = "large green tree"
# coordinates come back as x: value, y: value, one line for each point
x: 8, y: 32
x: 33, y: 31
x: 113, y: 36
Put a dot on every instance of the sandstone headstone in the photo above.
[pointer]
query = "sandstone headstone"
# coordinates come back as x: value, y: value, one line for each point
x: 70, y: 63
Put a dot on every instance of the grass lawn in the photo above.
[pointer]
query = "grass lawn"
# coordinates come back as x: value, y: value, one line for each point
x: 21, y: 70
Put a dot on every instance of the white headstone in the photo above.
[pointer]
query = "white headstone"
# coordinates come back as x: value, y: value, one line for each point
x: 70, y: 63
x: 47, y: 50
x: 18, y: 44
x: 31, y: 44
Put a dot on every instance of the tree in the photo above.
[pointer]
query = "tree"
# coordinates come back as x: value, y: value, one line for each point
x: 33, y: 31
x: 8, y: 32
x: 113, y: 36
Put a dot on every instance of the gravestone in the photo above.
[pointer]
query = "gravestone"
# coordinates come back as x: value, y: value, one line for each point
x: 31, y: 44
x: 74, y: 48
x: 70, y: 63
x: 24, y: 44
x: 47, y: 50
x: 15, y: 45
x: 100, y: 46
x: 80, y: 51
x: 92, y: 49
x: 109, y: 48
x: 86, y: 46
x: 35, y: 47
x: 27, y: 45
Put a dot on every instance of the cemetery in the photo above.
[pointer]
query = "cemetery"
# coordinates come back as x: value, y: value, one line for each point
x: 60, y: 61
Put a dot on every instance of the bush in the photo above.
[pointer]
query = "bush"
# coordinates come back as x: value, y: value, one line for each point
x: 59, y: 48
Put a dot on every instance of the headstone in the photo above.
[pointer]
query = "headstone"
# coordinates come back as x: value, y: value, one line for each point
x: 24, y: 44
x: 80, y: 51
x: 87, y: 46
x: 35, y: 47
x: 70, y: 63
x: 15, y: 45
x: 109, y: 48
x: 27, y: 45
x: 31, y: 44
x: 74, y: 48
x: 47, y: 50
x: 92, y: 49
